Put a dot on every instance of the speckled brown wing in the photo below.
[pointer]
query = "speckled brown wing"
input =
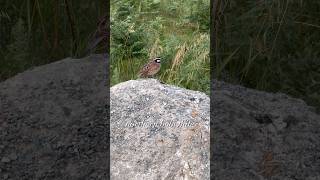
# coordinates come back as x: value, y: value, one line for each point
x: 153, y: 68
x: 149, y: 69
x: 145, y: 69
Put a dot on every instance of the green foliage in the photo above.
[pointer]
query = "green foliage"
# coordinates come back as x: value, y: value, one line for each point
x: 18, y: 49
x: 34, y: 32
x: 270, y: 45
x: 128, y: 38
x: 177, y: 31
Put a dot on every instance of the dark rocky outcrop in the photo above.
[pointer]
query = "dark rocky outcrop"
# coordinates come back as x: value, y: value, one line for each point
x: 53, y: 121
x: 259, y: 135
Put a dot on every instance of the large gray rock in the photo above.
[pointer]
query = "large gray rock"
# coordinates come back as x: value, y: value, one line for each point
x: 158, y: 132
x: 53, y: 125
x: 53, y: 121
x: 260, y: 135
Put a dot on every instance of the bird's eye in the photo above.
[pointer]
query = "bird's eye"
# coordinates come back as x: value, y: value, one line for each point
x: 157, y: 60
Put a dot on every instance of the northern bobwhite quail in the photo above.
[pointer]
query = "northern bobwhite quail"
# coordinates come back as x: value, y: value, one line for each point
x: 151, y: 68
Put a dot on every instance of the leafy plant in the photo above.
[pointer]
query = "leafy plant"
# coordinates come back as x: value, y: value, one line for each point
x: 177, y: 31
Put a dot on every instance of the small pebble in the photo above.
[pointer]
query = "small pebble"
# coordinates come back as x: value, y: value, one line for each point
x: 5, y: 160
x: 13, y: 156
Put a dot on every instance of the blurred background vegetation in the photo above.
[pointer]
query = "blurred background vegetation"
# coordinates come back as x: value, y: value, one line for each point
x: 34, y: 32
x: 270, y: 45
x: 267, y: 45
x: 175, y: 30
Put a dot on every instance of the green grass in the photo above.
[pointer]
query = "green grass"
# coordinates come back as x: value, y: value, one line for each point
x: 34, y: 32
x: 269, y: 45
x: 176, y: 31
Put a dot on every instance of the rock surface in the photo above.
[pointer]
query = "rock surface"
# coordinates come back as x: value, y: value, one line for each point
x: 260, y: 135
x: 158, y: 132
x: 53, y: 121
x: 53, y: 125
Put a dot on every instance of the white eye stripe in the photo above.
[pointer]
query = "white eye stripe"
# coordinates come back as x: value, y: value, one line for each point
x: 158, y: 60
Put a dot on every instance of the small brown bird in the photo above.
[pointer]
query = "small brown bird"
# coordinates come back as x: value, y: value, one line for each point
x: 100, y: 36
x: 151, y: 68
